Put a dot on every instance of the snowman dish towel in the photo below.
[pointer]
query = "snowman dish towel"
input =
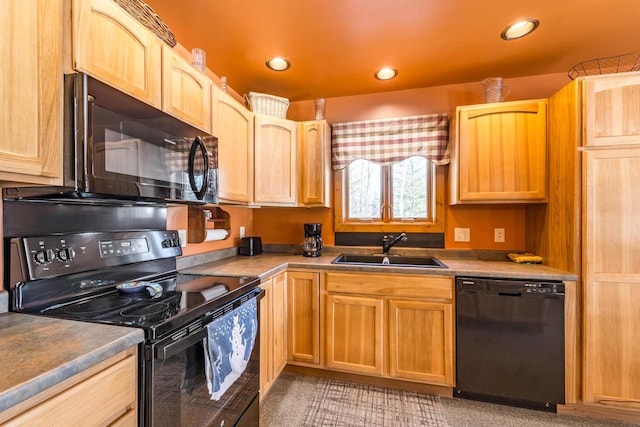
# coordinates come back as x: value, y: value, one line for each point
x: 228, y: 347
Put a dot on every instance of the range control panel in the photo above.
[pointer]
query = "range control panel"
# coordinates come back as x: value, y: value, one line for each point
x: 56, y: 255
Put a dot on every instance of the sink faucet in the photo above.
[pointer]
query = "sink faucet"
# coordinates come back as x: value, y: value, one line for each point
x: 389, y: 241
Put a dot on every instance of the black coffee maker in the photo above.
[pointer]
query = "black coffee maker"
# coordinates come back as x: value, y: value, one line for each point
x: 312, y: 245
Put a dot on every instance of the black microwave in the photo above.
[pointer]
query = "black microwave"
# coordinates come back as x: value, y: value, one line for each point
x: 117, y: 147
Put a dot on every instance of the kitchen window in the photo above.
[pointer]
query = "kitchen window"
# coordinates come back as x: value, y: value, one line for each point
x: 407, y: 196
x: 387, y: 176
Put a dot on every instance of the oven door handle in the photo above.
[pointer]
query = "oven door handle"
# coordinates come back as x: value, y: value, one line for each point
x: 165, y: 351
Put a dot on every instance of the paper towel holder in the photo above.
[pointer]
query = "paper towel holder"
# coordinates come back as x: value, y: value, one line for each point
x: 201, y: 219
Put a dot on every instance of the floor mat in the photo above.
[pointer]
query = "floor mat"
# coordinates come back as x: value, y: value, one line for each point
x: 338, y: 403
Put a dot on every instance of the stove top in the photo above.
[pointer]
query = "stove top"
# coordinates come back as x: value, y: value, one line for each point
x: 183, y: 298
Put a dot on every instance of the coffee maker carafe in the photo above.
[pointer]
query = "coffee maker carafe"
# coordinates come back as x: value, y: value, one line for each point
x: 312, y: 245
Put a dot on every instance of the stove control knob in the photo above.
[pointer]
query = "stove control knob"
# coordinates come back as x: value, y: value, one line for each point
x: 44, y: 256
x: 66, y: 254
x: 166, y: 243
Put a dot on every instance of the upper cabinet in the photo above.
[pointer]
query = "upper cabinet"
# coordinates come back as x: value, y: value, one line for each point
x: 31, y: 87
x: 233, y: 125
x: 314, y: 153
x: 612, y: 109
x: 275, y: 161
x: 186, y: 92
x: 499, y: 153
x: 110, y: 45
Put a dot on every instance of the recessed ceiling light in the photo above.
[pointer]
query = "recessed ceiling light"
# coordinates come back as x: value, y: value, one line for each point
x: 386, y: 73
x: 519, y: 29
x: 278, y: 63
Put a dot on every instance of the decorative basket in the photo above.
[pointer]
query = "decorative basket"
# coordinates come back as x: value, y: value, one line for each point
x: 269, y: 105
x: 612, y: 64
x: 147, y: 17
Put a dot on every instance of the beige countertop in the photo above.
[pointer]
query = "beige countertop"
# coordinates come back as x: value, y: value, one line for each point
x: 39, y: 352
x: 267, y: 264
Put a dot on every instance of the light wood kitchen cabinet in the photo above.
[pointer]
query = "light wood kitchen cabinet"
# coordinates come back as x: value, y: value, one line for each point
x: 275, y: 161
x: 273, y: 331
x: 233, y: 125
x: 612, y: 110
x: 31, y: 86
x: 314, y: 151
x: 112, y: 46
x: 186, y: 92
x: 303, y: 317
x: 423, y: 353
x: 612, y: 276
x: 594, y: 159
x: 355, y: 334
x: 105, y: 394
x: 391, y: 325
x: 498, y: 153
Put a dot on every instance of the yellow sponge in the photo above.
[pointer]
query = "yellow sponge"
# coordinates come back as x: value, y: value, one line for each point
x: 526, y: 258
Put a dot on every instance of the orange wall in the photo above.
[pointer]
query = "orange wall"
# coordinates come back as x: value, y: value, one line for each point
x: 285, y: 225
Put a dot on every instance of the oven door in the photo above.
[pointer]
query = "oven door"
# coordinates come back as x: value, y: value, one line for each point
x: 175, y: 384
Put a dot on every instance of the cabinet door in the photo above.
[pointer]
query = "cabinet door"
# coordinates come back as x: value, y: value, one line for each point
x: 612, y: 277
x: 186, y: 92
x: 275, y: 181
x: 421, y: 341
x: 279, y: 324
x: 612, y: 104
x: 303, y: 316
x: 110, y: 45
x: 314, y: 150
x: 31, y: 87
x: 266, y: 337
x: 499, y: 153
x: 355, y: 334
x: 233, y: 125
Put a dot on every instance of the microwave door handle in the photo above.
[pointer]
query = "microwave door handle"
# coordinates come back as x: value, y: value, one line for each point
x: 198, y: 143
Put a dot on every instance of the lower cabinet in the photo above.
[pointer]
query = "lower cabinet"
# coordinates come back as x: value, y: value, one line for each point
x: 394, y: 326
x: 355, y: 334
x: 273, y: 331
x: 303, y: 317
x: 421, y: 341
x: 104, y: 395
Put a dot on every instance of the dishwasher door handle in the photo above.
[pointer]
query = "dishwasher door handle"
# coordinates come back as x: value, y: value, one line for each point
x: 510, y: 294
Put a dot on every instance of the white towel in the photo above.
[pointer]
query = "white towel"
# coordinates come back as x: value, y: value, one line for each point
x: 228, y: 347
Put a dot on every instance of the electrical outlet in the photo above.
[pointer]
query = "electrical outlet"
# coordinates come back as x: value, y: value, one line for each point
x: 462, y: 234
x: 241, y: 231
x: 182, y: 235
x: 498, y: 235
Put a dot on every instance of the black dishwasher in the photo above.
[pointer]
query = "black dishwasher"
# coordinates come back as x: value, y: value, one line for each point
x: 510, y: 342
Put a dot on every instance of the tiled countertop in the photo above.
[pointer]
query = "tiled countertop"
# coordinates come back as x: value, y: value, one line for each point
x: 267, y: 264
x: 39, y: 352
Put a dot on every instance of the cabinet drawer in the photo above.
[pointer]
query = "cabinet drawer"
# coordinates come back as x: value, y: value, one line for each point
x: 404, y: 285
x: 99, y: 400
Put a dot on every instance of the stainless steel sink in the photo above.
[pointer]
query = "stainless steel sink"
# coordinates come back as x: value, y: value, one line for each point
x: 389, y: 260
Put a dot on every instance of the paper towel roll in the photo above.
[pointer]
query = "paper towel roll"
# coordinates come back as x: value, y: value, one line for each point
x: 216, y: 235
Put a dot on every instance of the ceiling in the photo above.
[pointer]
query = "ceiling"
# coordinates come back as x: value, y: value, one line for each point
x: 335, y: 46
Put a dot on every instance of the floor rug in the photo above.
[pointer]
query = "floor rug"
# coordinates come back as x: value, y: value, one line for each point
x: 341, y: 404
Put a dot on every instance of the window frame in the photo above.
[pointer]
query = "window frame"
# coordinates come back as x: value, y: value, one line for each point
x: 437, y: 198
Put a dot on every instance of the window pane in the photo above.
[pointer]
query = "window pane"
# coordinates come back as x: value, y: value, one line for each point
x: 409, y: 186
x: 364, y: 190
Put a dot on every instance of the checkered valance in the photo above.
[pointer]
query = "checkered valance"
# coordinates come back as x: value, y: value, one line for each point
x: 388, y: 141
